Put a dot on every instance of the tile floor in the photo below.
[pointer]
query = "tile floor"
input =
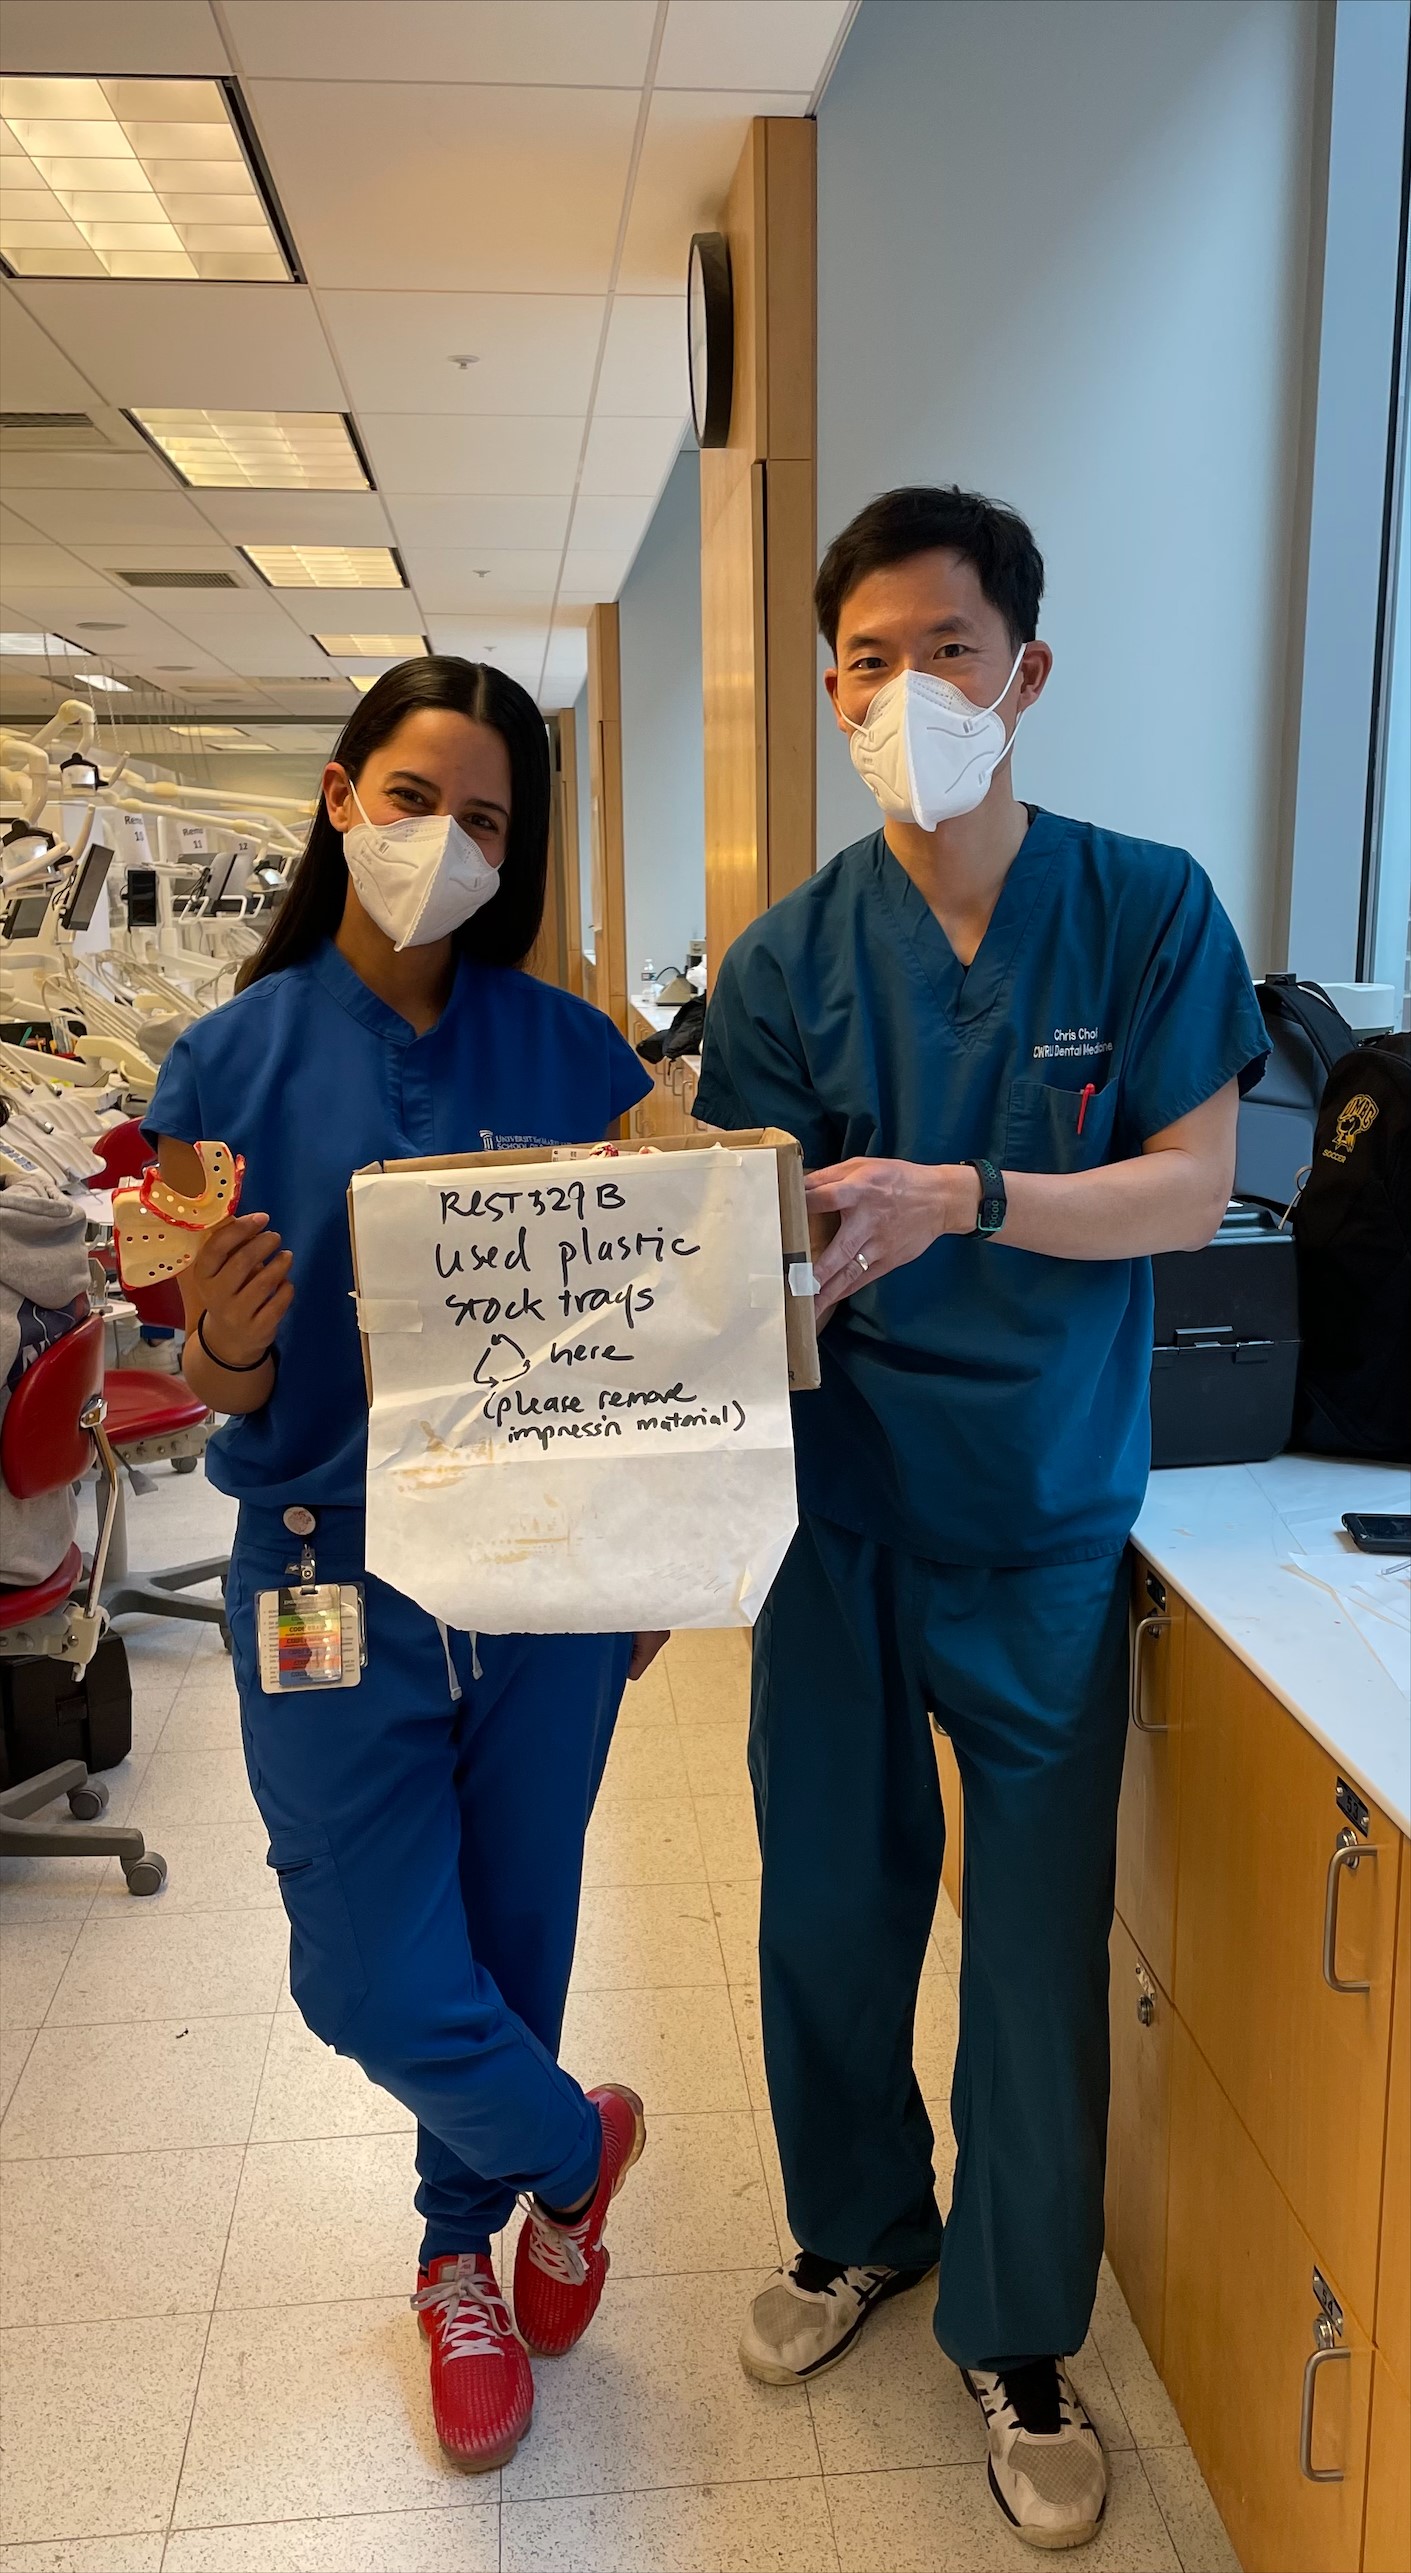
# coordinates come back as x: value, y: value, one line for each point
x: 206, y: 2235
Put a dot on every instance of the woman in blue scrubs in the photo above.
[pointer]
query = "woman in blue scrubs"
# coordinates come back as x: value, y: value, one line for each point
x: 426, y: 1825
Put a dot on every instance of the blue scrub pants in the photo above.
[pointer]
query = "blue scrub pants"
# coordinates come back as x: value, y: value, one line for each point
x: 429, y: 1851
x: 1026, y: 1671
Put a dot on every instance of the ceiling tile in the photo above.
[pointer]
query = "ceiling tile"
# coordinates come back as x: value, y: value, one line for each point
x: 644, y: 361
x: 735, y: 44
x: 447, y: 579
x: 447, y: 189
x: 34, y: 374
x: 595, y: 574
x: 694, y: 139
x: 295, y: 517
x: 159, y: 344
x: 30, y: 567
x: 610, y: 526
x: 629, y: 458
x: 342, y: 611
x: 475, y: 518
x: 523, y: 457
x: 475, y: 636
x: 126, y: 517
x: 595, y: 43
x: 532, y: 352
x: 172, y: 36
x: 97, y: 472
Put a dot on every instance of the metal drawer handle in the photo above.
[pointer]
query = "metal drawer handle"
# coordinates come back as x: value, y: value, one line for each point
x: 1347, y: 1857
x: 1320, y: 2357
x: 1144, y: 1628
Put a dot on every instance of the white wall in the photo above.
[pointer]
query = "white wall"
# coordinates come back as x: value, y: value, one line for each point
x: 1062, y: 258
x: 663, y: 734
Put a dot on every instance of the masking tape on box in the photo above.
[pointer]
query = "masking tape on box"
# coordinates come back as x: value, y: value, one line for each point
x: 378, y: 1313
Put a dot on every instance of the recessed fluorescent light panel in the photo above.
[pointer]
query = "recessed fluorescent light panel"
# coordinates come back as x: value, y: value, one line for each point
x: 40, y: 647
x: 363, y: 684
x: 97, y: 679
x: 326, y: 567
x: 131, y: 178
x: 372, y: 647
x: 257, y: 450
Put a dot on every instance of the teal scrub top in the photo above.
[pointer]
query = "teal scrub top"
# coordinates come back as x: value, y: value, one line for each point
x: 311, y: 1077
x: 985, y: 1405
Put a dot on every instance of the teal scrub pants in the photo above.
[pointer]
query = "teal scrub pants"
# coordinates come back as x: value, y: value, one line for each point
x: 1025, y: 1669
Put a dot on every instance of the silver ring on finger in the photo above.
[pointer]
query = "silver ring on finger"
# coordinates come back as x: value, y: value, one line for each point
x: 863, y: 1262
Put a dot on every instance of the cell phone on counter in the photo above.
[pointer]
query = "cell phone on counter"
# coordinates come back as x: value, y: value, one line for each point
x: 1379, y: 1532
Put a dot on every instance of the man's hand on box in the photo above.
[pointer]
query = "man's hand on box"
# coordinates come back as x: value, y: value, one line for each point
x: 888, y: 1212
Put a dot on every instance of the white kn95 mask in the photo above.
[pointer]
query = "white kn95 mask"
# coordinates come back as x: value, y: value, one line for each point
x: 926, y: 751
x: 418, y: 878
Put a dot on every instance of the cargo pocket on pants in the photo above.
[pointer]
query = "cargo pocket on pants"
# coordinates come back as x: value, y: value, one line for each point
x: 326, y: 1974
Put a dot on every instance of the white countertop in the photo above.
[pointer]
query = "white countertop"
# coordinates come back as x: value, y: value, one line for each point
x: 1261, y: 1553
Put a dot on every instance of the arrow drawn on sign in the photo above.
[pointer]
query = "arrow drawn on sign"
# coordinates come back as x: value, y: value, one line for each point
x: 497, y: 1371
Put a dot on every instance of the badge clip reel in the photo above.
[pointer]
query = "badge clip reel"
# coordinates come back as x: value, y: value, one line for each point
x: 311, y: 1637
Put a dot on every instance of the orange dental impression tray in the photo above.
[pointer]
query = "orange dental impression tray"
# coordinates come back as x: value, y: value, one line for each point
x: 157, y: 1231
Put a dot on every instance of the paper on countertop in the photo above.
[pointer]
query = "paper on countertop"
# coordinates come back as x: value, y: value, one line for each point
x: 590, y: 1430
x: 1374, y: 1594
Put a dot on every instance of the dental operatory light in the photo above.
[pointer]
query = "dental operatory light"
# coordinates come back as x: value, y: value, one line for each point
x: 257, y: 450
x: 133, y: 178
x: 326, y: 567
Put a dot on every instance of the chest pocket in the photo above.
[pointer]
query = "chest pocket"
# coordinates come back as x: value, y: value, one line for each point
x: 1042, y: 1126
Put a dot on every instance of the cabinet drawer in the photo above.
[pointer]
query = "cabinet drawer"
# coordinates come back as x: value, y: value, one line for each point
x: 1240, y: 2329
x: 1138, y: 2136
x: 1304, y: 2065
x: 1147, y: 1815
x: 1393, y: 2326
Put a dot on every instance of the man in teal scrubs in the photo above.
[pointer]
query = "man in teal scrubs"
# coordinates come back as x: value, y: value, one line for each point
x: 1012, y: 1048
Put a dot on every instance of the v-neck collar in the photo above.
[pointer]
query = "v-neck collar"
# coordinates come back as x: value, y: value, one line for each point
x: 352, y: 994
x: 968, y: 993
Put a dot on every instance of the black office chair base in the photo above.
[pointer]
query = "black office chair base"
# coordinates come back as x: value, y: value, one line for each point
x: 144, y: 1870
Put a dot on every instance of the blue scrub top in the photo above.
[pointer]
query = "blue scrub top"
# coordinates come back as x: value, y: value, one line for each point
x: 311, y: 1077
x: 985, y: 1405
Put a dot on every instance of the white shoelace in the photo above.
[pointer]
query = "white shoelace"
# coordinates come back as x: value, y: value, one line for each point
x: 554, y: 2250
x: 474, y: 2317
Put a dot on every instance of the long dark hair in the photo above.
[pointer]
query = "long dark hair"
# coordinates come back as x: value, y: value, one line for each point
x: 505, y: 930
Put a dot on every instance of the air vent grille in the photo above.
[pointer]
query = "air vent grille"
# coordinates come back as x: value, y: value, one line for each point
x: 49, y: 432
x: 180, y: 580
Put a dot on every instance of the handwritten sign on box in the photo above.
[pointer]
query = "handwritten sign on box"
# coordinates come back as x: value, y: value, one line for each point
x: 579, y: 1380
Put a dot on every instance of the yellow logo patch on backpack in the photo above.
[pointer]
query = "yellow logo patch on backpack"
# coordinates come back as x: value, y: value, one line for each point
x: 1353, y: 1120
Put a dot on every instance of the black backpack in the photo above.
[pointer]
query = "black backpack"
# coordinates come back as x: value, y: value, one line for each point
x: 1352, y: 1233
x: 1274, y: 1141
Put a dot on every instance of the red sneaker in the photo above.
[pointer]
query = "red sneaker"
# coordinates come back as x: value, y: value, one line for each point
x: 559, y: 2269
x: 482, y: 2388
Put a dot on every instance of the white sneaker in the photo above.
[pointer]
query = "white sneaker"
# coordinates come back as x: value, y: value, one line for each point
x: 1047, y: 2470
x: 810, y: 2314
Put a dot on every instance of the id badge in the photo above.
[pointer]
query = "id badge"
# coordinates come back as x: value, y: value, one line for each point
x: 311, y: 1637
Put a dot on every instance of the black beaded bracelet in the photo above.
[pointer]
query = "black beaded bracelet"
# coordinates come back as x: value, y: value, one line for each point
x: 228, y: 1367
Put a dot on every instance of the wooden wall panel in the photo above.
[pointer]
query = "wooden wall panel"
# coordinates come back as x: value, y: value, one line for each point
x: 609, y: 975
x: 757, y: 546
x: 566, y: 757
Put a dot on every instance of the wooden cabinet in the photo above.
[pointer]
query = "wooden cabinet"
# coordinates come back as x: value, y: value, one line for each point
x: 1305, y: 2066
x: 1138, y: 2136
x: 1148, y: 1815
x: 1394, y: 2268
x: 1387, y: 2544
x: 1241, y: 2323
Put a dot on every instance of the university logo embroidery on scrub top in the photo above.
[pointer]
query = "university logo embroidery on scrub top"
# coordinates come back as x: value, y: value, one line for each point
x: 1073, y: 1044
x: 491, y: 1142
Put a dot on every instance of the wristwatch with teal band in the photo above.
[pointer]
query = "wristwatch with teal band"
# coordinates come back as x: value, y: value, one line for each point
x: 994, y: 1205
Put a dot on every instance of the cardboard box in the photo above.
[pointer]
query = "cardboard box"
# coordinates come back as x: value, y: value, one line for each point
x: 801, y: 1337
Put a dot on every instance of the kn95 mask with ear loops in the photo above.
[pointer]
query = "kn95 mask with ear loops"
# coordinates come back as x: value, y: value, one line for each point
x: 419, y: 877
x: 926, y: 751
